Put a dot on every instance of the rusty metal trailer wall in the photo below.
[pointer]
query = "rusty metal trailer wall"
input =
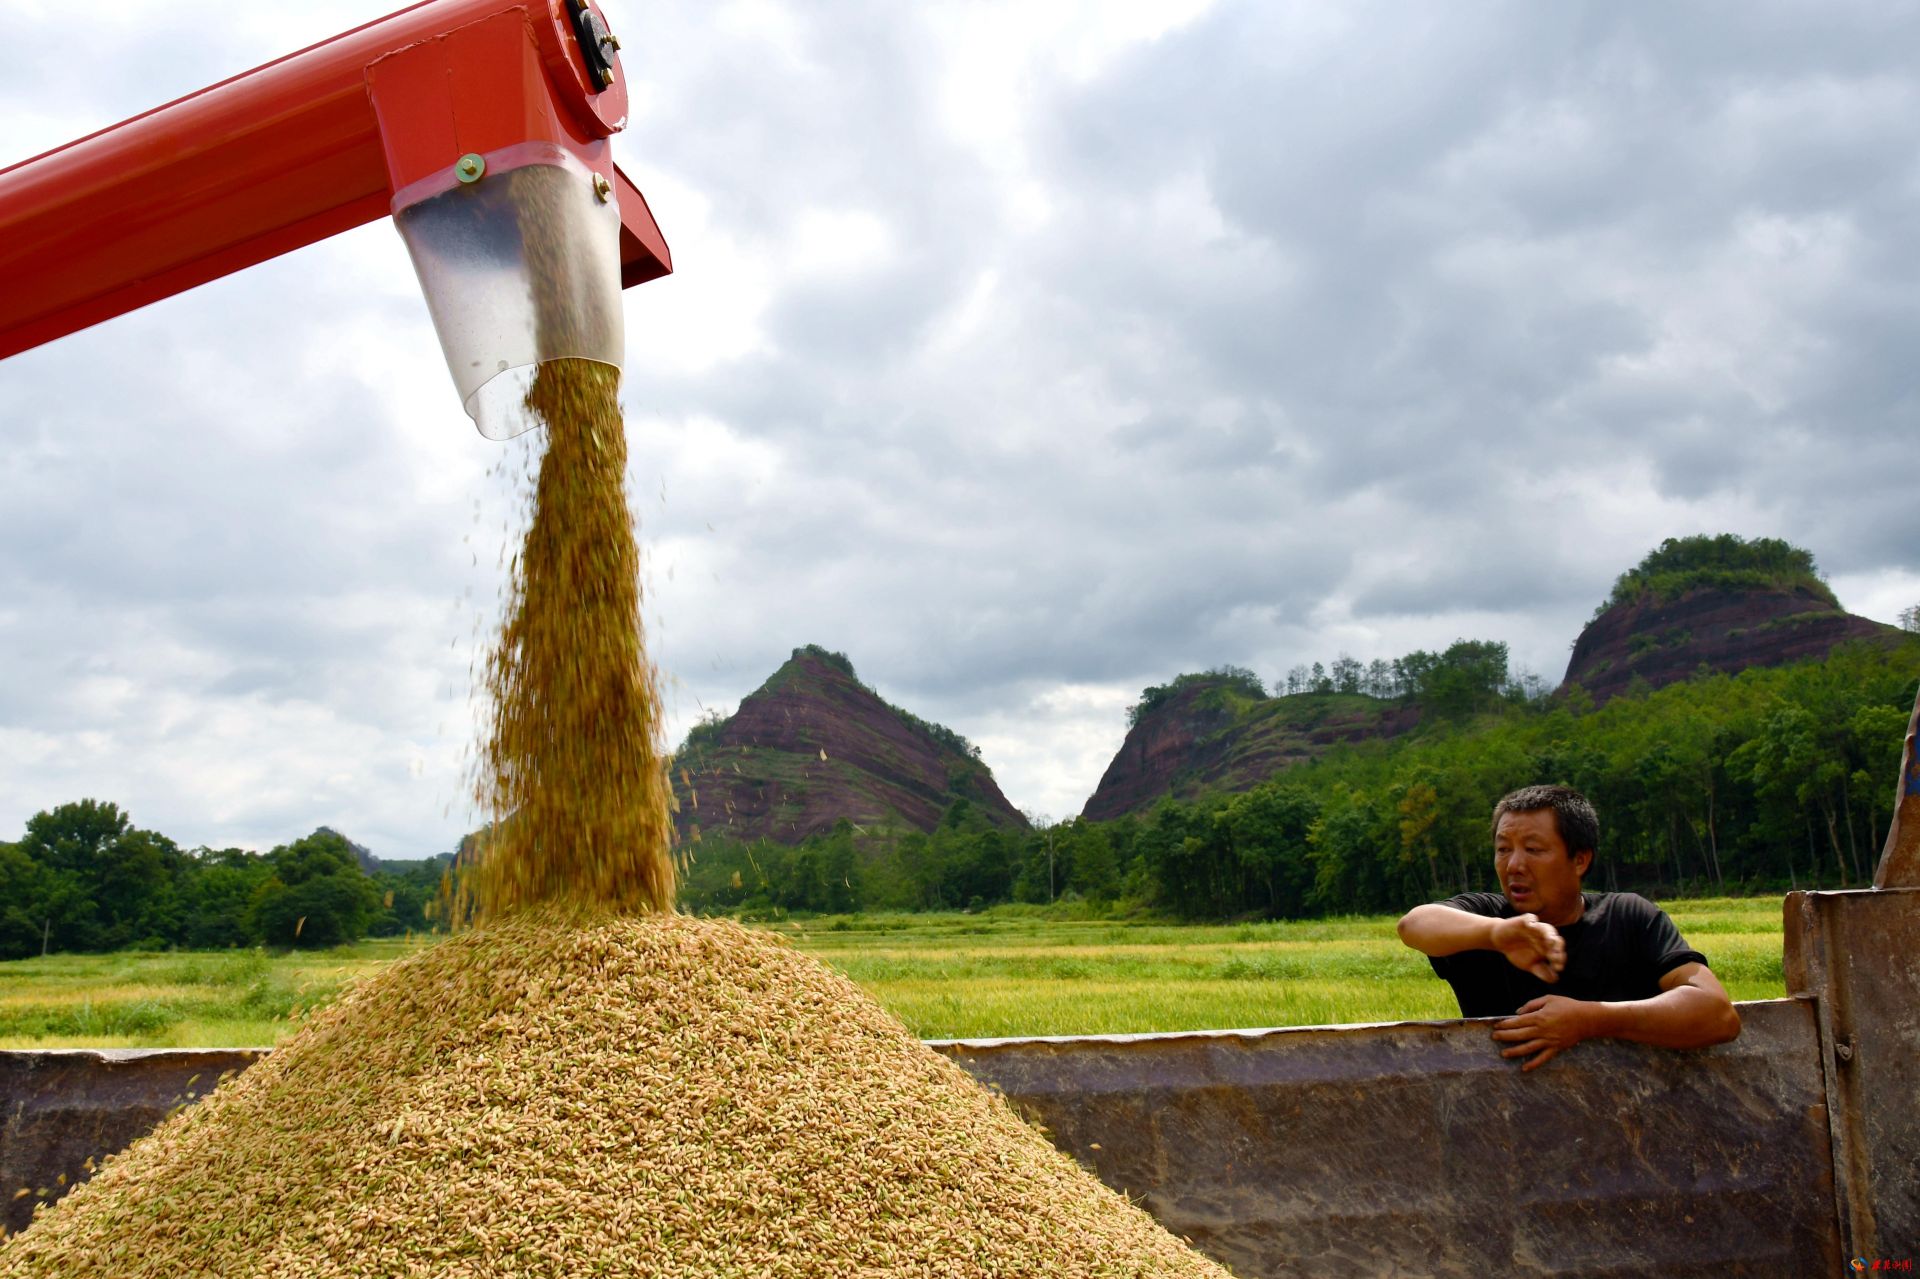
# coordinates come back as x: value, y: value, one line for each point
x: 1414, y: 1149
x: 1858, y: 953
x: 64, y: 1110
x: 1409, y: 1149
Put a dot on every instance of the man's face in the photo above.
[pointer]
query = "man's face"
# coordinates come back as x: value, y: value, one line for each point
x: 1535, y: 872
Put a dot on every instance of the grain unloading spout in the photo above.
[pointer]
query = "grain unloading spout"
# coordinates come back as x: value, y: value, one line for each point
x: 481, y: 126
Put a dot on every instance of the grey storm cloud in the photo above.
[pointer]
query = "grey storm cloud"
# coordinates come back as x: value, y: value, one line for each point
x: 1452, y: 252
x: 1288, y: 330
x: 1489, y: 203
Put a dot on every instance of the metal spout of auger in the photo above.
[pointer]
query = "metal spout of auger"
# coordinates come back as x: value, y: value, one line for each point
x: 475, y: 124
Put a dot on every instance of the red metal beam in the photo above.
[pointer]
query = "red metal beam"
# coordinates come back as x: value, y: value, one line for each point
x: 302, y: 148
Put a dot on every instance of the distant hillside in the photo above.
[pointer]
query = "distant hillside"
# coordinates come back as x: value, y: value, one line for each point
x: 1220, y: 732
x: 374, y: 865
x: 814, y: 745
x: 1721, y: 603
x: 361, y: 853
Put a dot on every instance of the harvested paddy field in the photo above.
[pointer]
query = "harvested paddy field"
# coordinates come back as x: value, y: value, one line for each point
x: 627, y: 1096
x: 1007, y: 971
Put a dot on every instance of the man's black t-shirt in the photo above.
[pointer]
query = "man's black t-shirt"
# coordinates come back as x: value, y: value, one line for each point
x: 1619, y: 949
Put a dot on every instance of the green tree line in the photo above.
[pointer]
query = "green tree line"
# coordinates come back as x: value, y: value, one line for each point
x: 1466, y: 675
x: 1753, y: 783
x: 83, y: 877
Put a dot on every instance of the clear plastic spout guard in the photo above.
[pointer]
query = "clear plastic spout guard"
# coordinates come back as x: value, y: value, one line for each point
x: 518, y: 254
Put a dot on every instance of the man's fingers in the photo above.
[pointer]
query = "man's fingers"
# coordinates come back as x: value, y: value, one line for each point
x: 1511, y: 1030
x: 1527, y: 1049
x: 1532, y: 1005
x: 1542, y: 1059
x: 1533, y: 947
x: 1548, y: 945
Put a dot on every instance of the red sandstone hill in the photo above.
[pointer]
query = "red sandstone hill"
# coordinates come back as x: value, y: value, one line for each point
x: 814, y: 745
x: 1718, y: 603
x: 1212, y: 736
x: 1662, y: 638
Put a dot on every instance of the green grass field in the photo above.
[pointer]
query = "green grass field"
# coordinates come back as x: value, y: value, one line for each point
x: 1006, y: 971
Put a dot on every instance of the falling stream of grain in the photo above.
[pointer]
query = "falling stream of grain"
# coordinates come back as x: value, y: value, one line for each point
x: 571, y: 768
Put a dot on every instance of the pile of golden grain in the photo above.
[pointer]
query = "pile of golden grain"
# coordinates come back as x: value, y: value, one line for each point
x: 614, y: 1095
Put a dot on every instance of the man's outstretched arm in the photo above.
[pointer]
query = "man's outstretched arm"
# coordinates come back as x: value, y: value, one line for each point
x: 1691, y: 1011
x: 1528, y: 943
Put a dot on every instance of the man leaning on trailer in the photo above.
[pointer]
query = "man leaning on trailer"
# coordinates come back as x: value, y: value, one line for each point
x: 1560, y: 965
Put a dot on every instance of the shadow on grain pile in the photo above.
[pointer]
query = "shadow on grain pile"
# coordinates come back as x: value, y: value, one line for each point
x: 568, y: 1095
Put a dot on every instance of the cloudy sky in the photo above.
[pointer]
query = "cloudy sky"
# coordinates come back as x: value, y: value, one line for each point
x: 1027, y: 353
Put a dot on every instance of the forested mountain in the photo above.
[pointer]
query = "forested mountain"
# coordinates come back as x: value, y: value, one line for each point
x: 1712, y: 604
x: 1774, y: 778
x: 814, y: 746
x: 1693, y: 606
x: 1746, y: 755
x: 1218, y: 730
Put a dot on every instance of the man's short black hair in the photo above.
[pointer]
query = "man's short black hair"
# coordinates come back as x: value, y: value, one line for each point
x: 1573, y: 815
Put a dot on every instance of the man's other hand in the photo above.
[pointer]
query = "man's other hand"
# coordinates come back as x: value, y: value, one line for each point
x: 1531, y: 945
x: 1543, y: 1027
